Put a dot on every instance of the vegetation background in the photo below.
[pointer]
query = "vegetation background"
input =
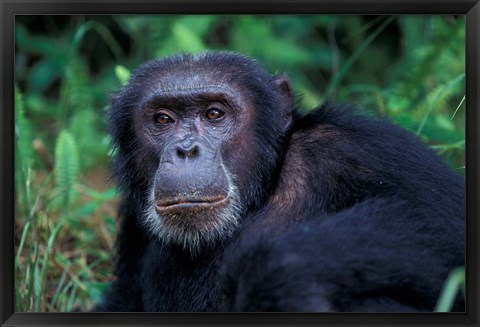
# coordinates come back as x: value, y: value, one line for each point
x: 409, y: 68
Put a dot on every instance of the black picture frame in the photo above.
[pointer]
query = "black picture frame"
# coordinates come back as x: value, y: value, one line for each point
x: 10, y: 8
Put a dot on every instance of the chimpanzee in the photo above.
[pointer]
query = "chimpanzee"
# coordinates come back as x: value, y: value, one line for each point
x: 231, y: 200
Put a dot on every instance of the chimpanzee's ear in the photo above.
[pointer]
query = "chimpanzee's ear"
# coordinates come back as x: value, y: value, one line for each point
x: 283, y: 87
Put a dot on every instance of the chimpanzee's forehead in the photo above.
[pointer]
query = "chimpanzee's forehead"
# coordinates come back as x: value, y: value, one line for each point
x: 185, y: 80
x: 184, y: 77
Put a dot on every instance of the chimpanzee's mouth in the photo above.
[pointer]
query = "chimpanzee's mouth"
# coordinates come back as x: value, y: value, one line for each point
x: 181, y: 203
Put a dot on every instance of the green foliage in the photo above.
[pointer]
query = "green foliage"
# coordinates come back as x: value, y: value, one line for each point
x: 408, y: 68
x: 122, y: 73
x: 454, y: 284
x: 438, y: 98
x: 66, y: 167
x: 84, y: 126
x: 75, y: 93
x: 355, y: 55
x: 23, y: 152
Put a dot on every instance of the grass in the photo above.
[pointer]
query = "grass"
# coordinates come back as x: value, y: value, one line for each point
x: 64, y: 260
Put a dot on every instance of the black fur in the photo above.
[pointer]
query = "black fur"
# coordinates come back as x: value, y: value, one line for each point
x: 343, y: 212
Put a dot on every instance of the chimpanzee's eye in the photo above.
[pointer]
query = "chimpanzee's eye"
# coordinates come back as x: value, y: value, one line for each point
x: 162, y: 118
x: 214, y: 114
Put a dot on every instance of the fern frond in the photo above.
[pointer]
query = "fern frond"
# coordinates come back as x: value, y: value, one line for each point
x: 84, y: 126
x: 76, y: 92
x: 22, y: 131
x: 66, y: 166
x: 23, y: 149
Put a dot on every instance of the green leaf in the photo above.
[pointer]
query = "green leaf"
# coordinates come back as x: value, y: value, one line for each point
x: 23, y: 149
x: 455, y: 282
x: 187, y: 39
x: 122, y: 73
x: 96, y: 290
x: 66, y: 166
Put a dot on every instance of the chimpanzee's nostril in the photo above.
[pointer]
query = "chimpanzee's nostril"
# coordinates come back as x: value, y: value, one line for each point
x: 194, y: 153
x: 190, y: 153
x: 181, y: 154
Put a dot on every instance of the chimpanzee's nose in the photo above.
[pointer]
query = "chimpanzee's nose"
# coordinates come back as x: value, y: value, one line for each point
x: 191, y: 152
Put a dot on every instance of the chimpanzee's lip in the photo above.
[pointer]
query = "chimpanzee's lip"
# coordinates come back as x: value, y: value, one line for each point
x: 180, y: 203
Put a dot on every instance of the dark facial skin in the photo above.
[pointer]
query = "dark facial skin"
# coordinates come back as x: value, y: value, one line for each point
x: 192, y: 190
x: 189, y: 135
